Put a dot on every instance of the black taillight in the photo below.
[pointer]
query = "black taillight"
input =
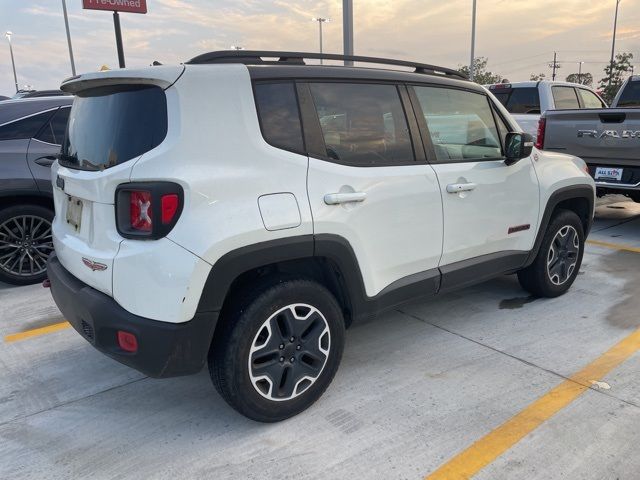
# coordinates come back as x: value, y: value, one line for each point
x: 148, y: 210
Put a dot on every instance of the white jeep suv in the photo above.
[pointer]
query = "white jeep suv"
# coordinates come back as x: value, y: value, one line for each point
x: 245, y: 208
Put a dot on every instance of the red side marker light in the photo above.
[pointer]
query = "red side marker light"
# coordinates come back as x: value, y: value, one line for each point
x: 169, y: 207
x: 127, y: 341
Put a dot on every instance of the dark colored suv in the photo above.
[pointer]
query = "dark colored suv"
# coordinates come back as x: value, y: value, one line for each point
x: 31, y: 131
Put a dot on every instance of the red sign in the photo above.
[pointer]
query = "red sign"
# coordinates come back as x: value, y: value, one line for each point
x: 132, y: 6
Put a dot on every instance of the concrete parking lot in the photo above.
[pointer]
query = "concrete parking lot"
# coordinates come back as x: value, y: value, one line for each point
x: 486, y: 381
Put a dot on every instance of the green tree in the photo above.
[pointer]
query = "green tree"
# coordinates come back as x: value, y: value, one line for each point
x: 615, y: 74
x: 480, y: 73
x: 536, y: 77
x: 582, y: 78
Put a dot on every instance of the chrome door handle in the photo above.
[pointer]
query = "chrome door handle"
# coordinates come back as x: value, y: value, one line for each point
x: 337, y: 198
x: 460, y: 187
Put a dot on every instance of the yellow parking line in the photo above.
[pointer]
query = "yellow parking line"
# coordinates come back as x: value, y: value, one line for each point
x: 15, y: 337
x: 483, y: 452
x: 614, y: 246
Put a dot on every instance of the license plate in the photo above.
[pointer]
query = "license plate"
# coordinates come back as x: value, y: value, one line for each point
x: 74, y: 212
x: 608, y: 173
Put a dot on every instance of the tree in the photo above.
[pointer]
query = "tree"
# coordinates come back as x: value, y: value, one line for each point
x: 583, y: 78
x: 614, y: 75
x: 480, y: 73
x: 537, y: 77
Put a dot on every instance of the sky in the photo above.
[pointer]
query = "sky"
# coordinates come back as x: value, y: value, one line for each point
x: 517, y: 36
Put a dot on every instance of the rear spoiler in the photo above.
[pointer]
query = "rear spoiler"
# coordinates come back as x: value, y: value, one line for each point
x: 162, y: 76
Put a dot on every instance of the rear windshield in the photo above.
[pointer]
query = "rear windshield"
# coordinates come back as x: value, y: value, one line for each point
x: 110, y: 125
x: 630, y: 95
x: 519, y: 100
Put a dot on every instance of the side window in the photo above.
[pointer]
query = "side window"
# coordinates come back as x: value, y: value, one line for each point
x: 564, y: 98
x: 53, y: 131
x: 461, y: 124
x: 363, y: 124
x: 279, y: 115
x: 524, y: 100
x: 590, y: 99
x: 25, y: 128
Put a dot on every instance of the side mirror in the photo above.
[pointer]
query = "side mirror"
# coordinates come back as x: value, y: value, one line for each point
x: 517, y: 146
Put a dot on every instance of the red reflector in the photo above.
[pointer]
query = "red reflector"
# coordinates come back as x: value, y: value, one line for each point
x: 542, y: 126
x: 127, y: 341
x: 140, y: 210
x: 169, y: 207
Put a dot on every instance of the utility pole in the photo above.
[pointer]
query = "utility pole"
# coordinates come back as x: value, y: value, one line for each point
x: 473, y: 41
x: 613, y: 42
x: 554, y: 65
x: 66, y: 24
x: 347, y: 28
x: 320, y: 21
x: 13, y: 63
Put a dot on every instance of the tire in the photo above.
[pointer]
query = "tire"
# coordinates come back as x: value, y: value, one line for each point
x: 25, y: 243
x: 558, y: 261
x: 634, y: 195
x: 260, y: 340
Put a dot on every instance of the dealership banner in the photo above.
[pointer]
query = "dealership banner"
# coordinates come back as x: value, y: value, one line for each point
x: 131, y: 6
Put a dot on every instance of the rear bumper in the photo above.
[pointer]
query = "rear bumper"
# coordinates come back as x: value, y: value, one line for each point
x: 164, y: 349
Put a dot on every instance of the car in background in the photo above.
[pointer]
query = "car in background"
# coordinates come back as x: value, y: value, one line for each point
x: 525, y: 101
x: 608, y: 140
x: 2, y: 97
x: 39, y: 93
x: 31, y: 131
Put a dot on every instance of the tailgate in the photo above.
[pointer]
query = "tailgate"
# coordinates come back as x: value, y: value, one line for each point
x: 598, y: 136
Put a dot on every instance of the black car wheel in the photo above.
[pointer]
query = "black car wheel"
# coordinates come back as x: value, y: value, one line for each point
x: 25, y: 243
x: 558, y: 261
x: 278, y: 349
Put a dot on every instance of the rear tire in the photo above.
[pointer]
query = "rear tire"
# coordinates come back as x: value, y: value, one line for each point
x: 278, y: 349
x: 558, y: 261
x: 25, y: 243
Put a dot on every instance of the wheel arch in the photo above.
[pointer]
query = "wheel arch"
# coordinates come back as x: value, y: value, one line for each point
x: 579, y: 199
x: 11, y: 198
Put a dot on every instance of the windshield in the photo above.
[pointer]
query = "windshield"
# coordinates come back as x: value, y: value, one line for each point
x: 630, y: 95
x: 110, y: 125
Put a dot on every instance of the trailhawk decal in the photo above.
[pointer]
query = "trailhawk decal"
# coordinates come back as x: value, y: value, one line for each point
x: 95, y: 266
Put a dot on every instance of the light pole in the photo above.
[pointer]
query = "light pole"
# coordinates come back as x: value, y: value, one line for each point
x: 613, y: 42
x: 66, y: 25
x: 580, y: 71
x: 347, y: 29
x: 13, y: 63
x: 320, y: 21
x: 473, y: 41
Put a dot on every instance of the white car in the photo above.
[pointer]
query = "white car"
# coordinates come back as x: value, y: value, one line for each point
x: 244, y: 208
x: 526, y: 101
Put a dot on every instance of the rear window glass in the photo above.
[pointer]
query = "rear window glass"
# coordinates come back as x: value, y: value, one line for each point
x: 589, y: 99
x: 279, y: 115
x: 110, y: 125
x: 519, y: 100
x: 565, y: 98
x: 25, y: 128
x: 630, y: 95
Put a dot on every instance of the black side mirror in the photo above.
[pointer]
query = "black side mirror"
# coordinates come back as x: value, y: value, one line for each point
x: 517, y: 146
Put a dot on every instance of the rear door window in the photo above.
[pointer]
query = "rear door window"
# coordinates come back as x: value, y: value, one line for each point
x: 110, y: 125
x: 363, y: 124
x: 565, y: 98
x: 26, y: 127
x: 519, y: 100
x: 53, y: 131
x: 589, y: 99
x: 279, y: 115
x: 461, y: 124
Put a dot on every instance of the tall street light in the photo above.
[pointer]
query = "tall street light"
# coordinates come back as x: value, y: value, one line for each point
x: 580, y: 71
x: 613, y: 43
x: 473, y: 41
x: 347, y: 29
x: 66, y: 26
x: 320, y: 21
x: 13, y: 63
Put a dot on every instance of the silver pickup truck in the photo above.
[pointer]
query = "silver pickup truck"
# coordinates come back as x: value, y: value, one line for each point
x: 608, y: 139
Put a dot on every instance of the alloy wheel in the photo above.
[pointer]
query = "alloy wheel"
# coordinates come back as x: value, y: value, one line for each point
x: 289, y: 352
x: 563, y: 255
x: 25, y: 245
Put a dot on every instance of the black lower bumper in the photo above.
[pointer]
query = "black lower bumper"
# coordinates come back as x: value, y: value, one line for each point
x: 164, y: 349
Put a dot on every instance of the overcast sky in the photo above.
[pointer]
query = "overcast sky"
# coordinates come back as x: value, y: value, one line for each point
x: 517, y: 36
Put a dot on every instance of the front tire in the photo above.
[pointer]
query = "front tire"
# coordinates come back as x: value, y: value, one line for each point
x: 278, y: 349
x: 558, y: 261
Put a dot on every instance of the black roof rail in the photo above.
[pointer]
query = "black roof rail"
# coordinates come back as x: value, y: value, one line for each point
x: 255, y: 57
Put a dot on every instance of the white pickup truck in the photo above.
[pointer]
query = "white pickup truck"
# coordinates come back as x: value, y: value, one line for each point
x: 527, y: 100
